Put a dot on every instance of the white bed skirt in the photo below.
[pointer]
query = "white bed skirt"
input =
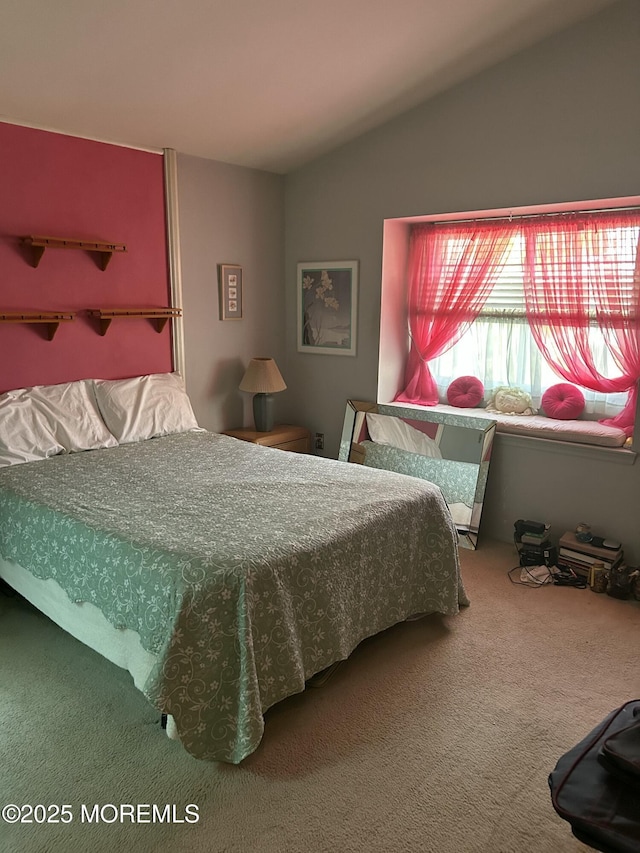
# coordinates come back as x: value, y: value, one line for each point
x: 86, y: 623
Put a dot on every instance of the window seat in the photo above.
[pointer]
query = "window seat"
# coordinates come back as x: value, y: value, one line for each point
x: 539, y: 426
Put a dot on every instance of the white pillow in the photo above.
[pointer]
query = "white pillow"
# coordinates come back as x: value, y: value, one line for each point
x: 24, y: 435
x: 71, y: 412
x: 145, y: 406
x: 385, y: 429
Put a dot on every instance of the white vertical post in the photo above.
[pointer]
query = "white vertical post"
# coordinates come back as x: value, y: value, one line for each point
x: 173, y: 246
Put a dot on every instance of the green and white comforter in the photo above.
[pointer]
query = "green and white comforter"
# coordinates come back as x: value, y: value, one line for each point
x: 244, y: 569
x: 457, y: 480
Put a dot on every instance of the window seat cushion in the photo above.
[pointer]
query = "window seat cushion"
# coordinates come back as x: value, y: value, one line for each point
x: 538, y: 426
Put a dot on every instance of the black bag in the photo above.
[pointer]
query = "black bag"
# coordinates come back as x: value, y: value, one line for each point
x: 620, y: 753
x: 596, y: 785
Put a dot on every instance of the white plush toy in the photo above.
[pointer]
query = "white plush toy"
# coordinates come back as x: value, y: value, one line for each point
x: 510, y: 401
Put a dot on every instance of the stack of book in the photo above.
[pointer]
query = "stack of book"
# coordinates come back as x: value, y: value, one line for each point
x: 539, y: 539
x: 580, y: 556
x: 535, y: 547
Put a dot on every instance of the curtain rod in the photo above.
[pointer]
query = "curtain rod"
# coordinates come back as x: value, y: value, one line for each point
x: 527, y: 216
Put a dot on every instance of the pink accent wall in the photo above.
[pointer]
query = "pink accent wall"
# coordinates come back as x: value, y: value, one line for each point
x: 61, y: 186
x: 429, y: 428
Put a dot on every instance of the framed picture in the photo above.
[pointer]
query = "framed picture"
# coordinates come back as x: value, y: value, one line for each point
x: 230, y: 291
x: 327, y: 307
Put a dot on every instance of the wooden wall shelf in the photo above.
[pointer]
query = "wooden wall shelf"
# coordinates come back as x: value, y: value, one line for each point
x: 104, y: 251
x: 51, y: 318
x: 158, y: 316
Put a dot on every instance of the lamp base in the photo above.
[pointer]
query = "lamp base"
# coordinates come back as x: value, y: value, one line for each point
x: 263, y: 412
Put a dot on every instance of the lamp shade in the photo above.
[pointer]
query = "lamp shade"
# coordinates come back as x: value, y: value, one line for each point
x: 262, y: 377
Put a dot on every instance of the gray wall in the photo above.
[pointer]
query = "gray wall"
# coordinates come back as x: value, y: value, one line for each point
x: 556, y: 123
x: 229, y: 214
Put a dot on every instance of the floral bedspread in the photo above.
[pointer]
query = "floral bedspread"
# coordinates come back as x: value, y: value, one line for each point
x: 457, y: 480
x: 244, y: 569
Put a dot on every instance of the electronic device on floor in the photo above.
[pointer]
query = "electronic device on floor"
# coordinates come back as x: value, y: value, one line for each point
x: 533, y: 544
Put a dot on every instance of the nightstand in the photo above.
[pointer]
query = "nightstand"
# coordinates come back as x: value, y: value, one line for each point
x: 283, y: 437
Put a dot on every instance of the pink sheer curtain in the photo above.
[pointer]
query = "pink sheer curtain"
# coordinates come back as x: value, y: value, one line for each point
x: 580, y: 269
x: 451, y: 271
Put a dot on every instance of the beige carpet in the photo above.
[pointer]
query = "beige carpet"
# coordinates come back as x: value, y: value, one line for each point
x: 437, y: 736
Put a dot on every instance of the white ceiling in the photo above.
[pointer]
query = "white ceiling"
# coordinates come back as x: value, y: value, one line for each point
x: 269, y: 84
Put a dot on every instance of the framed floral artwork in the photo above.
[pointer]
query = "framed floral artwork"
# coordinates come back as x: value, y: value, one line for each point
x: 230, y: 291
x: 327, y: 307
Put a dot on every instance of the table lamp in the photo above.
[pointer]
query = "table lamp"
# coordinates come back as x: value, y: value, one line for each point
x: 263, y: 379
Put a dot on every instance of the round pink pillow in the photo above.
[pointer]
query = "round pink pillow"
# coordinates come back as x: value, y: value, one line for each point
x: 563, y: 401
x: 466, y: 392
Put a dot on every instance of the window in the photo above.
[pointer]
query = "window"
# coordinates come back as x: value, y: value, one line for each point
x: 500, y: 349
x: 528, y: 302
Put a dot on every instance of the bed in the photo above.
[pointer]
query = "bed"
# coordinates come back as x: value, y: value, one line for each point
x: 223, y: 574
x: 458, y: 481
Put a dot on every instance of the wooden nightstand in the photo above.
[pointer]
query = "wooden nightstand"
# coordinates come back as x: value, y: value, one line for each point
x: 283, y: 437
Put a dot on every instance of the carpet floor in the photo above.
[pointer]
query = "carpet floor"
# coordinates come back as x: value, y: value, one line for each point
x: 435, y: 737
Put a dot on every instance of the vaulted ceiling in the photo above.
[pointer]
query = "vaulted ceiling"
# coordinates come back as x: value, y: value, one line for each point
x: 269, y: 84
